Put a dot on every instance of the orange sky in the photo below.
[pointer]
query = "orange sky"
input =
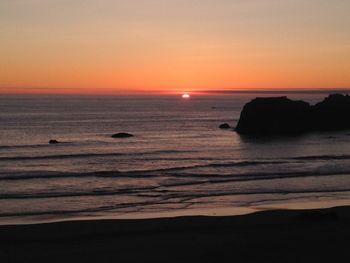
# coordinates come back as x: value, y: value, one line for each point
x: 111, y: 46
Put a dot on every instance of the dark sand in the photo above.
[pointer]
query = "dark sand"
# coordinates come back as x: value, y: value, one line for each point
x: 271, y: 236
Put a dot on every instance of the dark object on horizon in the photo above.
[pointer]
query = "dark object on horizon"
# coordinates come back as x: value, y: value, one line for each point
x: 280, y: 115
x: 122, y: 135
x: 53, y: 142
x: 225, y: 126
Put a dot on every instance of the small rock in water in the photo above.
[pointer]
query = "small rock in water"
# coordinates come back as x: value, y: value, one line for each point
x: 122, y: 135
x: 225, y: 126
x: 53, y: 142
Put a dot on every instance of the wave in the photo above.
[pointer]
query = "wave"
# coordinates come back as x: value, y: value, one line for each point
x: 181, y: 171
x: 93, y: 192
x: 87, y: 155
x: 164, y: 195
x: 191, y: 179
x: 186, y: 200
x: 323, y: 157
x: 46, y: 145
x: 136, y: 173
x: 159, y: 152
x: 54, y: 175
x: 73, y: 211
x: 216, y: 165
x: 21, y: 146
x: 244, y: 177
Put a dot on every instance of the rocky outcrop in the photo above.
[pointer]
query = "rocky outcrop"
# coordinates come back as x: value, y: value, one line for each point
x: 122, y: 135
x: 332, y: 113
x: 53, y: 142
x: 225, y: 126
x: 273, y: 115
x: 281, y: 115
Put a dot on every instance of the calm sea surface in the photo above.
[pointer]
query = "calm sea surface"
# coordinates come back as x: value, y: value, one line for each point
x: 178, y: 161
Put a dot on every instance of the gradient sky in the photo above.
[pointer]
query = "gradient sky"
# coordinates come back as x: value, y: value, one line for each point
x: 173, y: 45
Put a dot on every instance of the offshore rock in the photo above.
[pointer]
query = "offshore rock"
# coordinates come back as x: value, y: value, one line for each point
x: 280, y: 115
x: 122, y: 135
x: 225, y: 126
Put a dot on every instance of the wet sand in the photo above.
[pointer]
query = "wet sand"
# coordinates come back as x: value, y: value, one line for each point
x: 320, y: 235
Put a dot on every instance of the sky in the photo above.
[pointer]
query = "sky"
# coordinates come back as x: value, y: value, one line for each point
x: 107, y: 46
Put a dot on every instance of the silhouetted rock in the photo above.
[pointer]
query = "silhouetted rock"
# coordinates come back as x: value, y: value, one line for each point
x: 122, y: 135
x: 332, y: 113
x: 273, y: 115
x: 53, y: 142
x: 282, y: 116
x: 225, y: 126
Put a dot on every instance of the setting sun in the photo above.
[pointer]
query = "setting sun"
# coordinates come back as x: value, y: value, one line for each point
x: 186, y: 96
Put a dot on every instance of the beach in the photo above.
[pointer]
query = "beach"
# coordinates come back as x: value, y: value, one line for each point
x: 318, y: 235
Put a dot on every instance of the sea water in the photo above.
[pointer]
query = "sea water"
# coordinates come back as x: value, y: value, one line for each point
x: 178, y: 161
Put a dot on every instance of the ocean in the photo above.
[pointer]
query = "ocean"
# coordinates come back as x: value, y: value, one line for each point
x: 178, y: 162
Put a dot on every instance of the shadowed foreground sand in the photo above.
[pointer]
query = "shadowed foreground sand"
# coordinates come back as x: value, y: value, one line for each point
x: 272, y: 236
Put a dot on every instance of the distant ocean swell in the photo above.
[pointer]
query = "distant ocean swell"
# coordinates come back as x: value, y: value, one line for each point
x: 85, y: 155
x: 139, y: 154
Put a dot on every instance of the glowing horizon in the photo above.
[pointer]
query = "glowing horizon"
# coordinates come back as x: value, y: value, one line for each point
x: 173, y: 46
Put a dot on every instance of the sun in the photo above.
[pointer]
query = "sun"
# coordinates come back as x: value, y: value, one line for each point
x: 186, y: 96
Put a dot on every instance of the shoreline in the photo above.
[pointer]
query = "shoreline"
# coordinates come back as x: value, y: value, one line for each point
x: 302, y: 204
x: 311, y: 235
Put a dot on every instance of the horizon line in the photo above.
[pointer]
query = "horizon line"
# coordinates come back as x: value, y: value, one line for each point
x: 144, y: 92
x: 280, y: 91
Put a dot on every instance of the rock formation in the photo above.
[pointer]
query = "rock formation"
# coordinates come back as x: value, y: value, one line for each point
x: 122, y: 135
x: 281, y: 115
x: 225, y: 126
